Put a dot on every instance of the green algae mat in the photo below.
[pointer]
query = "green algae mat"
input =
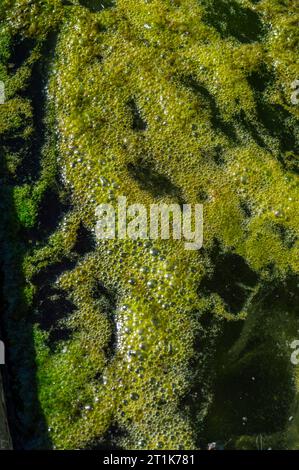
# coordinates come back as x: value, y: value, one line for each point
x: 133, y: 343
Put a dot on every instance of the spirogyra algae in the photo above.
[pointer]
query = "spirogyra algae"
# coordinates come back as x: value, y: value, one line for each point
x: 137, y: 343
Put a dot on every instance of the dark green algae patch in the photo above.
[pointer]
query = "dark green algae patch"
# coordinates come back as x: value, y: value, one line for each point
x: 139, y: 344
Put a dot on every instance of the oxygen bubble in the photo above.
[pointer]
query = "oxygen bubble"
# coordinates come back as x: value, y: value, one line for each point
x: 154, y: 252
x: 104, y: 181
x: 144, y: 269
x: 152, y: 283
x: 134, y: 396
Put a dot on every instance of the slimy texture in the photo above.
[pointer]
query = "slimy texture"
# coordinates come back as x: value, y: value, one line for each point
x: 143, y: 344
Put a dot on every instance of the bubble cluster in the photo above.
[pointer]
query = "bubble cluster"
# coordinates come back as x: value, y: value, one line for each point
x: 203, y: 135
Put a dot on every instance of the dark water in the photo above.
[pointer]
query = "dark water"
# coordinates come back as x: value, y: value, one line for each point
x: 96, y: 5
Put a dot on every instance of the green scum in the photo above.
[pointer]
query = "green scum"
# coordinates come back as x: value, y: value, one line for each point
x: 175, y: 101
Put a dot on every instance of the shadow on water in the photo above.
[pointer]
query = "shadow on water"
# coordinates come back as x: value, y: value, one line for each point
x: 138, y: 123
x: 152, y: 181
x: 254, y: 389
x: 232, y: 279
x: 243, y: 368
x: 273, y: 120
x: 229, y: 18
x: 227, y: 128
x: 97, y: 5
x: 26, y: 420
x: 279, y: 124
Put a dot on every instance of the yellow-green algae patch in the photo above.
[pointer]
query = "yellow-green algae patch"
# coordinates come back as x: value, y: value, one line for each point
x: 162, y: 101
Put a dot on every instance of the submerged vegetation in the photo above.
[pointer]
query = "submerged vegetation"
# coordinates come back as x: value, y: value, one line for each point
x: 138, y: 344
